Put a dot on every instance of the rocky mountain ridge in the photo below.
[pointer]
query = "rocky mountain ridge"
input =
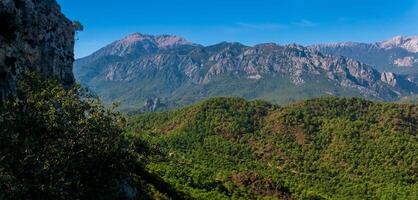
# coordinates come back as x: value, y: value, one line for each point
x: 409, y: 43
x: 398, y: 54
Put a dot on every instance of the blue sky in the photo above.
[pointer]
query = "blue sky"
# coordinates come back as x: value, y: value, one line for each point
x: 249, y: 22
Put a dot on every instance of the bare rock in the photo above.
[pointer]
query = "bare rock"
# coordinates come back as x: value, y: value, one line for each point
x: 389, y: 78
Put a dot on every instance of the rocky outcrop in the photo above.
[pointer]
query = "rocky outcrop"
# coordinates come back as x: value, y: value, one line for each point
x: 408, y: 61
x: 389, y: 78
x: 34, y: 36
x: 151, y: 105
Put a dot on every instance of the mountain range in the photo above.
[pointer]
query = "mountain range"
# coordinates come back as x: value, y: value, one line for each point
x: 399, y: 54
x: 160, y: 72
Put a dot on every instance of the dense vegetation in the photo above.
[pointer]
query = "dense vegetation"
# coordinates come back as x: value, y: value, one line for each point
x: 326, y: 148
x: 62, y: 144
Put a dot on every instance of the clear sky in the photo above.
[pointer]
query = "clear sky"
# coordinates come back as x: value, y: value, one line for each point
x: 247, y: 21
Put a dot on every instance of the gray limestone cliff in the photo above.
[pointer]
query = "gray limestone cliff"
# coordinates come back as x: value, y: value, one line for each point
x: 34, y: 36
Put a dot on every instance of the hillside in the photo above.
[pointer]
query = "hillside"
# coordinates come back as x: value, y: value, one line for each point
x: 159, y: 72
x: 398, y: 54
x: 331, y: 148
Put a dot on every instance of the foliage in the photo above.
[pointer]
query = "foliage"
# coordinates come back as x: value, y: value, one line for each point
x: 326, y: 148
x: 78, y: 26
x: 61, y: 144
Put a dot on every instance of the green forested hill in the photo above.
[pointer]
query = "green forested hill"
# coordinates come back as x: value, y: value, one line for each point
x: 332, y: 148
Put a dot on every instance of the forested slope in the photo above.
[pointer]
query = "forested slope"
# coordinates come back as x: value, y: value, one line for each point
x: 332, y: 148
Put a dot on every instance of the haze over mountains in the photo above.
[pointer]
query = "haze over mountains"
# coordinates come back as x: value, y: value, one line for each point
x: 158, y: 72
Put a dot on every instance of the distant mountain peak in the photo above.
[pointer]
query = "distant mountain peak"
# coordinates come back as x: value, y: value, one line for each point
x: 165, y: 41
x: 134, y: 38
x: 138, y: 43
x: 398, y: 54
x: 409, y: 43
x: 161, y: 41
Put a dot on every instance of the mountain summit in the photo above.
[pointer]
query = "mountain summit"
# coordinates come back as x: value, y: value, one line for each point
x: 408, y: 43
x: 137, y: 43
x: 171, y: 71
x: 160, y: 41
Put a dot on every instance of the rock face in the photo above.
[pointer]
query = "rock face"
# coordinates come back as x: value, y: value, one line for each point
x: 34, y: 36
x: 137, y: 67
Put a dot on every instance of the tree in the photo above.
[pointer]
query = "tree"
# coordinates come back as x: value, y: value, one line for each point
x: 78, y: 26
